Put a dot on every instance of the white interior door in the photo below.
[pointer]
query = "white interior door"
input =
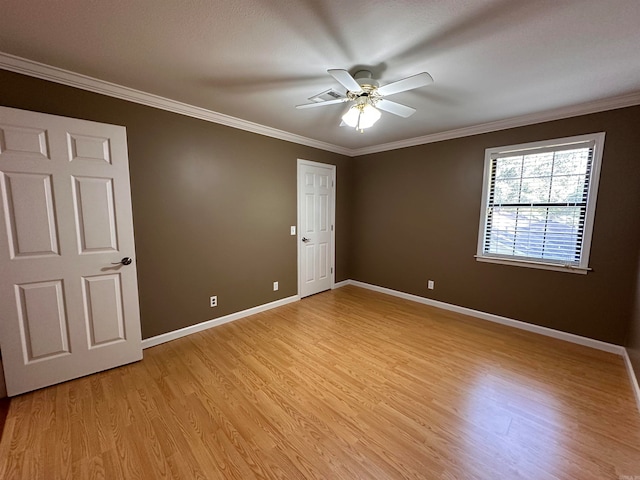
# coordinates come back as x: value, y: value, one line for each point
x: 67, y: 307
x: 316, y: 236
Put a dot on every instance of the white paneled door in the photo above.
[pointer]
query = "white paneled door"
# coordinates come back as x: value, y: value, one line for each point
x: 316, y: 204
x: 68, y: 288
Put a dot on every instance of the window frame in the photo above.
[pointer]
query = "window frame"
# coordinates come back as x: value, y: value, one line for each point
x: 592, y: 193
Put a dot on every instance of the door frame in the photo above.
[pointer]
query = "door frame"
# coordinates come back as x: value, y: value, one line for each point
x: 332, y: 217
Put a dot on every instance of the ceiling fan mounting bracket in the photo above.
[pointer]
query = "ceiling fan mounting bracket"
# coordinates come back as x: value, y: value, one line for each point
x: 364, y: 78
x: 362, y: 74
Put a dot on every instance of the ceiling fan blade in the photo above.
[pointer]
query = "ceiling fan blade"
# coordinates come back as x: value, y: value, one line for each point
x: 321, y: 104
x: 345, y: 79
x: 395, y: 108
x: 409, y: 83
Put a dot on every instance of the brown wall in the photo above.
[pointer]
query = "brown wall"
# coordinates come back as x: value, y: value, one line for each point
x: 212, y: 208
x: 416, y: 215
x: 212, y: 205
x: 633, y: 343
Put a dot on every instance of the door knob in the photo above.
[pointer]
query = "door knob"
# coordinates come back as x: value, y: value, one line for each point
x: 124, y: 261
x: 304, y: 239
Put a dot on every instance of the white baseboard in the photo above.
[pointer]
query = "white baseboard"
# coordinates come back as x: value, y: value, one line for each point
x: 632, y: 376
x: 183, y: 332
x: 549, y: 332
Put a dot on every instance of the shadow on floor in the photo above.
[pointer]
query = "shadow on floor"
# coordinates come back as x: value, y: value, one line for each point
x: 4, y: 410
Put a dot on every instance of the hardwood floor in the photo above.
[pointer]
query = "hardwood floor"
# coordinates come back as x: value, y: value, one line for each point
x: 347, y: 384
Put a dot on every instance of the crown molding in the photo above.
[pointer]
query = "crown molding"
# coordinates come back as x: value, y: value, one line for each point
x: 84, y: 82
x: 596, y: 106
x: 65, y: 77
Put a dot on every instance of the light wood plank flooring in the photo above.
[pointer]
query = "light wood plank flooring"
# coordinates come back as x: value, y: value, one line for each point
x: 348, y: 384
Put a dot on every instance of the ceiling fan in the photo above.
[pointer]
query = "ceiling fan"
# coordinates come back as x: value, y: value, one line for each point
x: 368, y: 97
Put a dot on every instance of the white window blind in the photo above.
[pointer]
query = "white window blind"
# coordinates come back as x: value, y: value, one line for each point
x: 539, y: 202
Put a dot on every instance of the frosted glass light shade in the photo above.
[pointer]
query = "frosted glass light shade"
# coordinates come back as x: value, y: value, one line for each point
x: 369, y: 116
x: 351, y: 117
x: 361, y: 116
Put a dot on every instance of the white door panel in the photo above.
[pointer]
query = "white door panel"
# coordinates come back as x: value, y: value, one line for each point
x: 43, y: 320
x: 29, y: 214
x: 23, y: 142
x: 310, y: 263
x: 67, y: 308
x: 104, y: 317
x: 94, y: 214
x: 87, y: 148
x: 323, y: 261
x: 316, y: 203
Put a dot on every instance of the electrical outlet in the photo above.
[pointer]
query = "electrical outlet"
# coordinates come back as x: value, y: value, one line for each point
x: 213, y: 301
x: 293, y: 229
x: 275, y: 286
x: 431, y: 285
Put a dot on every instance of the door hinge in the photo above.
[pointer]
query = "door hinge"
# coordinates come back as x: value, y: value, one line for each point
x: 332, y: 183
x: 332, y: 228
x: 331, y: 269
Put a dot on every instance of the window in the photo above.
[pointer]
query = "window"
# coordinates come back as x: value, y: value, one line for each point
x: 538, y: 203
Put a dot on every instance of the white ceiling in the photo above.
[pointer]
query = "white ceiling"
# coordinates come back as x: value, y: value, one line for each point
x: 256, y: 59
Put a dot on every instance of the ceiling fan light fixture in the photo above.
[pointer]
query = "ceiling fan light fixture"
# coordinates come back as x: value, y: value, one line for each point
x: 368, y: 97
x: 361, y: 115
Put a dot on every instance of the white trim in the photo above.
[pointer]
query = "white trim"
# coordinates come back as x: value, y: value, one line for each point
x: 593, y: 141
x: 183, y: 332
x: 569, y: 337
x: 65, y: 77
x: 532, y: 264
x: 332, y: 215
x: 596, y: 106
x: 549, y: 332
x: 343, y: 283
x: 91, y: 84
x: 632, y: 377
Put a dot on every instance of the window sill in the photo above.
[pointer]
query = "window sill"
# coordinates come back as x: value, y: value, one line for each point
x: 532, y: 264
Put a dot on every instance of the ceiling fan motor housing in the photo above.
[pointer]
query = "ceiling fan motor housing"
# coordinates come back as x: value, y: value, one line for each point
x: 365, y: 80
